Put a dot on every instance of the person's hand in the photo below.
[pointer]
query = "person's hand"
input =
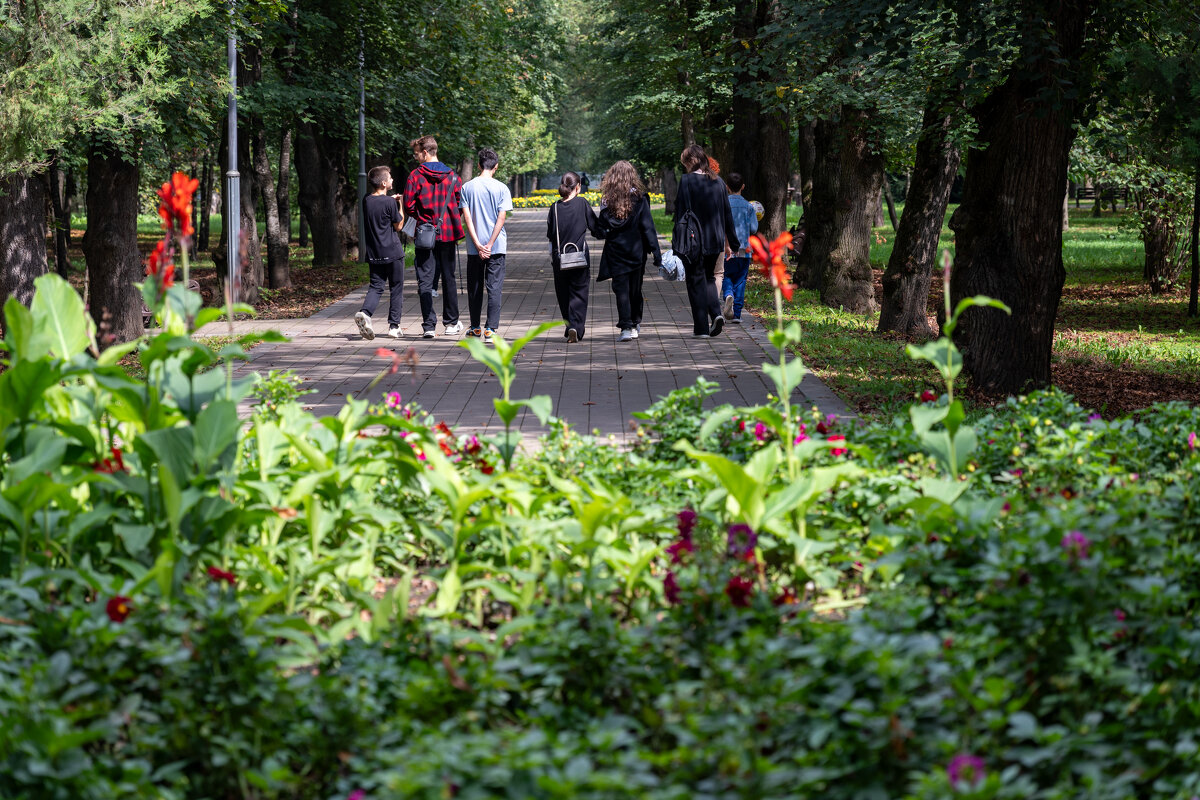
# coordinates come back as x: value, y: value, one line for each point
x: 485, y: 251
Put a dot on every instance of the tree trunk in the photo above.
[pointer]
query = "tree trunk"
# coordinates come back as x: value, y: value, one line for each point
x: 283, y: 189
x: 321, y: 169
x: 847, y: 173
x: 62, y: 219
x: 875, y: 206
x: 1098, y: 200
x: 891, y: 204
x: 1009, y: 226
x: 110, y: 245
x: 1164, y: 236
x: 278, y: 273
x: 670, y: 187
x: 771, y: 173
x: 204, y: 204
x: 250, y: 272
x: 1066, y: 208
x: 22, y: 236
x: 807, y: 156
x: 1194, y: 299
x: 687, y: 129
x: 906, y: 280
x: 303, y: 230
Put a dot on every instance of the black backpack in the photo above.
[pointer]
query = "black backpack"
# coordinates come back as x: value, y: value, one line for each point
x: 686, y: 238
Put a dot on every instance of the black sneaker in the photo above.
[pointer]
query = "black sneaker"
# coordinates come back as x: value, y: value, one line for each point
x: 717, y: 325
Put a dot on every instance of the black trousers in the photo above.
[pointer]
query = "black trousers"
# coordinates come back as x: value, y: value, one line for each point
x: 482, y: 275
x: 440, y: 260
x: 702, y: 292
x: 389, y: 275
x: 571, y: 286
x: 628, y: 289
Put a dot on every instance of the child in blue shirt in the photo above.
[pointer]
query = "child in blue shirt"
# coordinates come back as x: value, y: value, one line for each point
x: 737, y: 266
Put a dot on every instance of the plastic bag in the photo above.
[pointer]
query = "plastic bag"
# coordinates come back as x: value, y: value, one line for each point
x: 672, y: 267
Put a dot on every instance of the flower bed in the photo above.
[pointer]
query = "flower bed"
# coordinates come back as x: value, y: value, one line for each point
x: 547, y: 199
x: 786, y: 605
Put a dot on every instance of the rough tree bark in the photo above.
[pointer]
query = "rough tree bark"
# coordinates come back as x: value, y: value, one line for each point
x: 278, y: 272
x: 204, y: 203
x: 1067, y: 207
x: 1194, y: 298
x: 1164, y: 237
x: 62, y: 217
x: 891, y: 203
x: 250, y: 271
x: 22, y: 236
x: 110, y: 244
x: 906, y: 279
x: 806, y: 155
x: 1009, y: 226
x: 836, y: 257
x: 670, y: 187
x: 321, y: 170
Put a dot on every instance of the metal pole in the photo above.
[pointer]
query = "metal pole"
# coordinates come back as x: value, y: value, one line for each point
x: 362, y: 150
x: 233, y: 179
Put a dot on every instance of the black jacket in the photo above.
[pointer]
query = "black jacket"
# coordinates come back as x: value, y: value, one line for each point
x: 575, y: 220
x: 709, y: 200
x: 627, y: 241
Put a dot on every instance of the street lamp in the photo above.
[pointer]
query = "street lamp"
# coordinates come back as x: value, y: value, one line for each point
x: 362, y: 149
x: 233, y: 179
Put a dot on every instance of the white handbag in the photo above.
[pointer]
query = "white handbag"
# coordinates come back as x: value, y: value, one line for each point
x: 567, y: 259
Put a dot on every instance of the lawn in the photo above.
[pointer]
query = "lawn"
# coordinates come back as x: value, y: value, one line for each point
x: 1117, y: 347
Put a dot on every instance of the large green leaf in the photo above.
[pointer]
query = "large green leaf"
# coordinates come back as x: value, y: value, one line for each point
x: 60, y: 316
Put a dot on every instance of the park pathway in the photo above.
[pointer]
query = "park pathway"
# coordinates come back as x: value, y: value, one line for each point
x: 595, y: 385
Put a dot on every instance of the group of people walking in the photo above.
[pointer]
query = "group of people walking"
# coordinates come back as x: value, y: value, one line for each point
x: 436, y: 210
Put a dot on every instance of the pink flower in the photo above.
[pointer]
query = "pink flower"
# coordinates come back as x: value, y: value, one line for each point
x: 803, y: 437
x: 968, y: 768
x: 1119, y: 614
x: 671, y: 589
x: 837, y: 451
x: 1192, y: 440
x: 760, y: 431
x: 392, y: 400
x: 740, y: 590
x: 928, y: 397
x: 1076, y: 545
x: 357, y: 794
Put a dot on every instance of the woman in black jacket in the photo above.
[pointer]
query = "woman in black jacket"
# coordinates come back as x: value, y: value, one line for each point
x: 569, y: 221
x: 704, y: 194
x: 628, y: 231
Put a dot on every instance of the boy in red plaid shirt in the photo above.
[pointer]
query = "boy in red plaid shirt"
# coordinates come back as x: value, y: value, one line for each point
x: 433, y: 194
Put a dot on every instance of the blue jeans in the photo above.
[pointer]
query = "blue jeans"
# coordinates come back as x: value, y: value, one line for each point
x: 737, y: 269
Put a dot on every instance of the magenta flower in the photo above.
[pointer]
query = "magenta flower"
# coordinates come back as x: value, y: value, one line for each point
x: 1192, y: 440
x: 965, y: 768
x: 1094, y: 418
x: 741, y: 542
x: 686, y: 522
x: 1119, y: 614
x: 671, y: 589
x: 1076, y: 545
x: 392, y: 400
x: 680, y: 546
x: 357, y: 794
x: 760, y: 431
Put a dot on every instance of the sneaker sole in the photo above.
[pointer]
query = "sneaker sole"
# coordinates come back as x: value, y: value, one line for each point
x: 727, y: 311
x: 428, y: 335
x: 363, y: 326
x: 572, y: 336
x: 717, y: 325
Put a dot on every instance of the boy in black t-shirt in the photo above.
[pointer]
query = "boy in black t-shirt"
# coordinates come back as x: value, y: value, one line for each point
x: 383, y: 216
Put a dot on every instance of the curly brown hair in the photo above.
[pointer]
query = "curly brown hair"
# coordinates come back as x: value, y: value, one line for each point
x: 621, y: 189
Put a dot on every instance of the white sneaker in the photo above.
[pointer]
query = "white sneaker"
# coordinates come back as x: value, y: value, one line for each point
x: 572, y: 335
x: 363, y: 320
x: 626, y: 335
x: 429, y: 335
x: 394, y: 331
x: 635, y: 332
x: 727, y: 310
x: 455, y: 329
x: 717, y: 325
x: 699, y: 335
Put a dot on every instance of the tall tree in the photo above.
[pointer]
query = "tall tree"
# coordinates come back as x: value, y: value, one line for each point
x: 110, y: 241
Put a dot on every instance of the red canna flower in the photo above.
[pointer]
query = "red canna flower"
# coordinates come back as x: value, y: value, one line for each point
x: 110, y: 465
x: 740, y: 590
x: 770, y: 260
x: 176, y: 206
x: 486, y: 468
x: 218, y: 574
x: 714, y: 166
x: 119, y: 608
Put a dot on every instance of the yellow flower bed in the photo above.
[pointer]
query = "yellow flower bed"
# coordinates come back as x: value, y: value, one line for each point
x: 542, y: 198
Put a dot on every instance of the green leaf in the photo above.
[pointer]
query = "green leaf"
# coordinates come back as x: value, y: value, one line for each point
x: 541, y: 406
x: 60, y: 316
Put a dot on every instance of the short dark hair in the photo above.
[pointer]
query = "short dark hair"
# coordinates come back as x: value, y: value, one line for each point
x: 376, y: 177
x: 735, y: 182
x: 569, y: 183
x: 488, y: 158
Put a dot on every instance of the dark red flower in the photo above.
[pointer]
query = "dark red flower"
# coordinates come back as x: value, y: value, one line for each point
x: 110, y: 465
x: 119, y: 608
x: 837, y: 451
x: 741, y: 542
x: 686, y: 522
x: 671, y: 589
x: 680, y: 546
x: 486, y: 468
x: 928, y: 397
x: 218, y: 574
x: 786, y: 598
x: 739, y: 591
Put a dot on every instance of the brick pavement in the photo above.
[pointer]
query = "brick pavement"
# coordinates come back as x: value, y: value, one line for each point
x: 595, y: 384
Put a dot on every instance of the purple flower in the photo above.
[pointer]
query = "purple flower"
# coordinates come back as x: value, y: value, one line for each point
x: 965, y: 768
x: 742, y: 541
x: 1076, y: 545
x: 686, y: 522
x: 1094, y: 418
x: 357, y: 794
x: 671, y: 588
x: 680, y: 546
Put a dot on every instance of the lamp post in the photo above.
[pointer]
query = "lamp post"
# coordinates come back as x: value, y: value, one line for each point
x: 362, y: 149
x: 233, y: 179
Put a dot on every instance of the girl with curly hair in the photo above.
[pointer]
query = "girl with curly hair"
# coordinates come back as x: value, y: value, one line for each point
x: 628, y: 230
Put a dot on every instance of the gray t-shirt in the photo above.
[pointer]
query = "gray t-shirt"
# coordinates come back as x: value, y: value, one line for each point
x: 485, y: 198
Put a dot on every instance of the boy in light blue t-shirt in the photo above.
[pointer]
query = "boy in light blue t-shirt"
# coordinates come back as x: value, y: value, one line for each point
x: 485, y: 205
x: 737, y: 266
